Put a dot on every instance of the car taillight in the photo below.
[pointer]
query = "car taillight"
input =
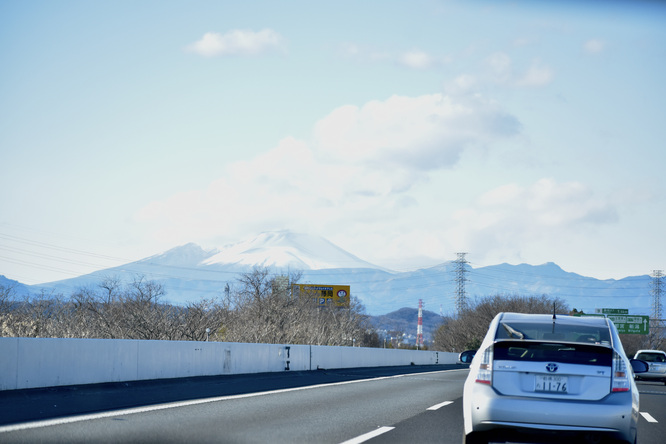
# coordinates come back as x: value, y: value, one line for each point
x: 485, y: 374
x: 620, y: 375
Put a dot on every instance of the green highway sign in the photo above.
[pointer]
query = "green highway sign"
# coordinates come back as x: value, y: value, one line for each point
x: 627, y: 324
x: 631, y: 324
x: 612, y: 311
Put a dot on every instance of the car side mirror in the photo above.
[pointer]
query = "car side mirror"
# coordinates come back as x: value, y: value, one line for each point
x: 639, y: 366
x: 466, y: 356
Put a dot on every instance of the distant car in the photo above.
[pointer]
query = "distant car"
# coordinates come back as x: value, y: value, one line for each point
x: 656, y: 359
x: 560, y: 377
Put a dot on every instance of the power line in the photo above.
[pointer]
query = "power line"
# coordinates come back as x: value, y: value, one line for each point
x: 503, y: 275
x: 57, y: 248
x: 67, y: 257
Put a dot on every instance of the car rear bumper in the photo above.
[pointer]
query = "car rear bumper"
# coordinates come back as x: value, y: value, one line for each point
x: 651, y: 376
x: 614, y: 415
x: 645, y: 377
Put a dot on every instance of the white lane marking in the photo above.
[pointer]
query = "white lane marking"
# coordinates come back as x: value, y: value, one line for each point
x: 438, y: 406
x: 369, y: 435
x: 172, y: 405
x: 648, y: 417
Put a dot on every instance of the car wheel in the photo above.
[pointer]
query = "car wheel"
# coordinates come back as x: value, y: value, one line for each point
x: 475, y: 438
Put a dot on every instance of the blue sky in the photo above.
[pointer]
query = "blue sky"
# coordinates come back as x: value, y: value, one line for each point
x: 404, y: 132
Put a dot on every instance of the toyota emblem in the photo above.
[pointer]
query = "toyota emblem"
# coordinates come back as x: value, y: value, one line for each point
x: 551, y: 367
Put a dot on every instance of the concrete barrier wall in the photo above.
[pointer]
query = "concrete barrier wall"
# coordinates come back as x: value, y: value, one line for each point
x: 349, y: 357
x: 43, y: 362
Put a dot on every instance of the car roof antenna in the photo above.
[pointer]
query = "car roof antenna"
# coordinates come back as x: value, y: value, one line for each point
x: 554, y: 317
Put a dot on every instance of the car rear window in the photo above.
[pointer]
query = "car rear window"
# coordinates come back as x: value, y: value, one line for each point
x: 553, y: 332
x: 651, y: 357
x: 570, y: 353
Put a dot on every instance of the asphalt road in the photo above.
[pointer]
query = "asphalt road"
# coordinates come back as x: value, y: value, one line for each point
x: 387, y: 405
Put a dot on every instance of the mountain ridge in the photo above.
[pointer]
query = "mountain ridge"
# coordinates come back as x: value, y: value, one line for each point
x: 190, y: 272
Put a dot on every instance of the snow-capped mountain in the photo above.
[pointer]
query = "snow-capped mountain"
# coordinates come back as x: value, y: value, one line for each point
x: 190, y: 273
x: 285, y: 249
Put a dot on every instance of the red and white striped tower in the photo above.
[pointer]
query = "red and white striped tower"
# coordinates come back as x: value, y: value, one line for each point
x: 419, y: 327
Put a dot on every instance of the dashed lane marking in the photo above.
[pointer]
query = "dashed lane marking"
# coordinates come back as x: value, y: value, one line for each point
x: 648, y: 417
x: 152, y: 408
x: 369, y: 435
x: 438, y: 406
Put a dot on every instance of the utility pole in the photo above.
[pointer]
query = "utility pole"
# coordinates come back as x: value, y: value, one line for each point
x: 460, y: 270
x: 419, y: 327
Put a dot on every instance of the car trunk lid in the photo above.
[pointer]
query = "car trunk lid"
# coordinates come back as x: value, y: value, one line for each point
x: 548, y: 369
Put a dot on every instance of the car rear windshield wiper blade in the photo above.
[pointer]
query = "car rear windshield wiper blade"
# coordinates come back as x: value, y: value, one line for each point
x: 512, y: 331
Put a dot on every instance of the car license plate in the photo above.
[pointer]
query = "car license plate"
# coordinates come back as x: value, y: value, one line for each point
x: 551, y: 384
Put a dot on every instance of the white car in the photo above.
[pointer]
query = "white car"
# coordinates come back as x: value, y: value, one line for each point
x: 656, y: 359
x: 560, y: 377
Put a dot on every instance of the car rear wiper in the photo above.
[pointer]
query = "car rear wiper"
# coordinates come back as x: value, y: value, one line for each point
x: 512, y: 331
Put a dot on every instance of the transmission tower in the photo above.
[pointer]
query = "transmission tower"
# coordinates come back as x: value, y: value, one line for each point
x: 460, y: 270
x: 657, y: 288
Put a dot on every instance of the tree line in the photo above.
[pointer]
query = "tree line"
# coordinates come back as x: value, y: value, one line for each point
x: 258, y: 311
x: 467, y: 330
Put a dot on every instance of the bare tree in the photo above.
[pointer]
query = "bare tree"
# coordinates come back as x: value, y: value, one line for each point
x: 263, y: 311
x: 99, y: 310
x: 202, y: 319
x: 132, y: 311
x: 469, y: 328
x: 42, y: 315
x: 144, y: 314
x: 14, y: 321
x: 7, y: 298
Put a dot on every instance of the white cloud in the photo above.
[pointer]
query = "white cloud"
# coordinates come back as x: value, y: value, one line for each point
x: 501, y: 71
x: 521, y: 41
x: 462, y: 85
x: 413, y: 59
x: 500, y: 65
x: 536, y: 75
x: 416, y: 59
x: 511, y: 218
x: 361, y: 169
x: 237, y: 42
x: 351, y: 49
x: 360, y: 207
x: 420, y: 133
x: 248, y: 198
x: 364, y: 54
x: 594, y: 46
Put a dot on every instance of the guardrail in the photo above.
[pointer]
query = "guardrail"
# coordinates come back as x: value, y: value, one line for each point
x: 47, y: 362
